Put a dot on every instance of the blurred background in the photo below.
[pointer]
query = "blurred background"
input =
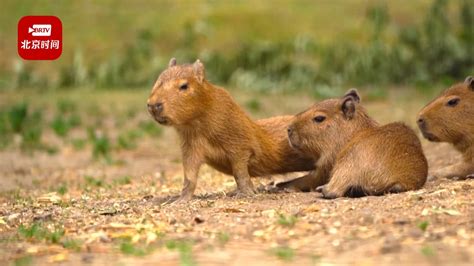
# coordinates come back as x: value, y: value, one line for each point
x: 264, y: 45
x: 275, y: 56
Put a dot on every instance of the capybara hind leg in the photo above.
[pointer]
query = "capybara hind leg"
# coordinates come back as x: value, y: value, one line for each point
x: 304, y: 183
x: 459, y: 171
x: 339, y: 183
x: 397, y: 188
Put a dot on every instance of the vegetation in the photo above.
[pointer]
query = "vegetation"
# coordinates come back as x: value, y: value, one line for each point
x: 436, y: 49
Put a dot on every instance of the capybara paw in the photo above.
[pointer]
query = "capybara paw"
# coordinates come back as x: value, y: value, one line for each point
x: 471, y: 176
x: 320, y: 188
x: 326, y: 194
x: 182, y: 199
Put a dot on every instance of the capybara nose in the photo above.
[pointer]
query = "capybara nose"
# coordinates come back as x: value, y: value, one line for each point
x: 155, y: 108
x: 421, y: 122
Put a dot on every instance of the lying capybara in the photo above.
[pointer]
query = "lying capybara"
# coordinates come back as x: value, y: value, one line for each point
x: 358, y: 156
x: 450, y: 118
x: 213, y: 129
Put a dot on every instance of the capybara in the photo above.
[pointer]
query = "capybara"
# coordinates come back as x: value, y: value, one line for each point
x: 450, y: 118
x: 356, y: 154
x: 213, y: 129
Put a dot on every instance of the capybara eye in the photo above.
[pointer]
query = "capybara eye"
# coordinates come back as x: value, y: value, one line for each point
x: 453, y: 102
x: 319, y: 119
x: 183, y: 87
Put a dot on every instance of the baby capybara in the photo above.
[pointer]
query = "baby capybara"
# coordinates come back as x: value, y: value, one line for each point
x: 358, y: 156
x: 450, y: 118
x: 213, y: 129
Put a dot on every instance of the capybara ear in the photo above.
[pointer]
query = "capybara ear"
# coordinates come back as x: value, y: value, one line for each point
x: 199, y: 71
x: 348, y: 107
x: 172, y: 62
x: 353, y: 94
x: 470, y: 82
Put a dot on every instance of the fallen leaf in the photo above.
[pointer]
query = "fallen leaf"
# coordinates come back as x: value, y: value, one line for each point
x: 232, y: 210
x: 50, y: 198
x: 451, y: 212
x: 58, y: 257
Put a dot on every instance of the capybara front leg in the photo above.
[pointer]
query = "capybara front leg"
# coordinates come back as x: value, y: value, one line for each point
x: 242, y: 178
x: 191, y: 171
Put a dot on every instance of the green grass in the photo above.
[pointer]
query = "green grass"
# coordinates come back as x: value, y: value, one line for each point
x: 423, y: 225
x: 184, y: 249
x: 223, y: 238
x: 123, y: 180
x: 283, y: 253
x: 94, y: 182
x: 129, y: 248
x: 38, y: 232
x: 287, y: 220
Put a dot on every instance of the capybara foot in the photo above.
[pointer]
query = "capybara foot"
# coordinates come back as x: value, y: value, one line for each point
x: 471, y: 176
x: 326, y: 194
x: 239, y: 193
x: 183, y: 199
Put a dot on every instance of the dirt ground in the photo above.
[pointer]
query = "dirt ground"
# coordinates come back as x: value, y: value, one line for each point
x: 111, y: 219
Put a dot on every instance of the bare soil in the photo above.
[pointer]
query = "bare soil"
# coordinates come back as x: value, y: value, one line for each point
x: 132, y: 222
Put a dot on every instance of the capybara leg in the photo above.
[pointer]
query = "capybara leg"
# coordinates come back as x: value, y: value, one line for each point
x: 397, y: 188
x: 456, y: 171
x: 242, y: 178
x: 191, y: 171
x: 328, y: 193
x: 304, y: 183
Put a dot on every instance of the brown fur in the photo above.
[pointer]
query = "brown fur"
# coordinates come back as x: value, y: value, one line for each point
x: 356, y: 155
x: 450, y: 118
x: 213, y: 129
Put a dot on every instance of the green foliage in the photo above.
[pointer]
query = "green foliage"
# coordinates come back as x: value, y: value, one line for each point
x: 78, y: 144
x: 123, y: 180
x: 100, y: 145
x: 17, y: 116
x: 428, y: 251
x: 254, y: 105
x: 223, y: 238
x: 438, y: 48
x: 185, y: 251
x: 287, y: 220
x: 62, y: 189
x: 423, y: 225
x: 128, y: 140
x: 128, y: 248
x: 95, y: 182
x: 72, y: 244
x: 23, y: 261
x: 283, y: 253
x: 39, y: 233
x: 151, y: 128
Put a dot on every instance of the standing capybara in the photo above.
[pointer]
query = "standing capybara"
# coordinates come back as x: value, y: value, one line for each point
x: 450, y: 118
x: 213, y: 129
x: 358, y: 156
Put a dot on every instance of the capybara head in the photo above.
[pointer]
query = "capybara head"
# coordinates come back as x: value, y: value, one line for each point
x: 328, y: 125
x: 450, y: 117
x: 179, y: 95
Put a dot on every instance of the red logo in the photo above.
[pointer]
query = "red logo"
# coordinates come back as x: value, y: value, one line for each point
x: 40, y: 37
